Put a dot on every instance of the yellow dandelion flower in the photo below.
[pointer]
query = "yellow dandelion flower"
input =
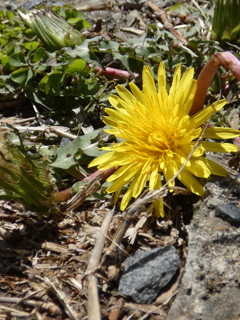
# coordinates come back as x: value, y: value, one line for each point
x: 157, y: 135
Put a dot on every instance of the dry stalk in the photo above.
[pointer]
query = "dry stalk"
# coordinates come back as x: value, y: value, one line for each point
x: 93, y: 300
x: 44, y: 306
x: 82, y: 195
x: 62, y: 299
x: 167, y: 25
x: 99, y: 6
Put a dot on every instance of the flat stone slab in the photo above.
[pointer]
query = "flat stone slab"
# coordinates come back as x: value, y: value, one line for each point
x: 210, y: 285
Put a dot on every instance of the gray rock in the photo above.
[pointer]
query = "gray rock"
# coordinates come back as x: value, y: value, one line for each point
x: 210, y: 284
x: 28, y: 5
x: 229, y: 213
x: 212, y: 203
x: 147, y: 272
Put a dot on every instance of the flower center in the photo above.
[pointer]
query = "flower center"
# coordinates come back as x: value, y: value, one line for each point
x: 164, y: 140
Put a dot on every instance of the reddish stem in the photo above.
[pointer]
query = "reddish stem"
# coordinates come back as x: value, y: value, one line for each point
x: 225, y: 59
x: 65, y: 195
x: 114, y: 73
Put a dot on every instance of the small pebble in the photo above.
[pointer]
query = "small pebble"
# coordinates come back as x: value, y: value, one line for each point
x: 213, y: 203
x: 229, y: 213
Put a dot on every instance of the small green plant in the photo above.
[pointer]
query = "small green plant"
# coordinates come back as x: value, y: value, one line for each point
x: 22, y: 180
x: 226, y: 21
x: 54, y: 31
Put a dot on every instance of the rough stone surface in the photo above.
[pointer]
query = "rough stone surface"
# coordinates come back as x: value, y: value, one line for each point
x: 229, y: 213
x: 210, y: 285
x: 147, y: 272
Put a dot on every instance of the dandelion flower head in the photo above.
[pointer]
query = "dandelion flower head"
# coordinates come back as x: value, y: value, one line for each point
x: 157, y: 134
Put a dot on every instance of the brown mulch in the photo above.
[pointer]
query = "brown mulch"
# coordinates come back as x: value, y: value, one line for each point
x: 48, y: 267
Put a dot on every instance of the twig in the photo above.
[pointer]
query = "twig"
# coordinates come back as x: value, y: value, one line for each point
x: 62, y: 299
x: 93, y: 301
x: 95, y: 179
x: 138, y: 32
x: 14, y: 312
x: 199, y: 8
x: 167, y: 25
x: 82, y: 195
x: 38, y: 116
x: 99, y: 6
x: 62, y: 133
x: 44, y: 306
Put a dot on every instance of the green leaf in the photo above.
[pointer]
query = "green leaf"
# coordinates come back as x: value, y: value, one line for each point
x: 55, y: 81
x: 86, y: 51
x: 32, y: 45
x: 39, y: 54
x: 44, y: 84
x: 80, y: 23
x: 78, y: 186
x: 77, y: 66
x: 22, y: 76
x: 17, y: 60
x: 66, y: 155
x: 6, y: 64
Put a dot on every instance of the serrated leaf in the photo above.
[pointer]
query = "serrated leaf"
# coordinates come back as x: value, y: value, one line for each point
x: 66, y: 155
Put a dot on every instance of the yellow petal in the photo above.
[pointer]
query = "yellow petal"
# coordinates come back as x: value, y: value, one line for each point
x: 190, y: 182
x: 176, y: 80
x: 117, y: 116
x: 199, y: 168
x: 161, y: 76
x: 219, y: 147
x: 159, y: 208
x: 138, y: 94
x: 221, y: 133
x: 120, y: 173
x: 106, y: 157
x: 216, y: 168
x: 148, y: 81
x: 203, y: 115
x: 138, y: 184
x: 120, y: 182
x: 126, y: 198
x: 124, y: 93
x: 114, y: 100
x: 154, y: 178
x: 170, y: 169
x: 158, y: 203
x: 186, y: 79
